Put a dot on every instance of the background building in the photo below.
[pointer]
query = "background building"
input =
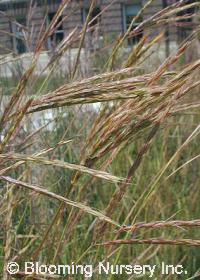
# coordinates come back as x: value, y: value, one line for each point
x: 21, y: 26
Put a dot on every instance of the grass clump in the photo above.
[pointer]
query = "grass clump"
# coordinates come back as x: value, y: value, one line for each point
x: 102, y: 166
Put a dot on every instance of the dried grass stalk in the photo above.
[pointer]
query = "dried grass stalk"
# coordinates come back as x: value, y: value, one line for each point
x: 154, y: 241
x: 43, y: 191
x: 161, y: 224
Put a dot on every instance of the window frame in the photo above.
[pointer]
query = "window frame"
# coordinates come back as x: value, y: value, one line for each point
x: 57, y: 31
x: 125, y: 26
x: 84, y: 13
x: 18, y: 34
x: 187, y: 24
